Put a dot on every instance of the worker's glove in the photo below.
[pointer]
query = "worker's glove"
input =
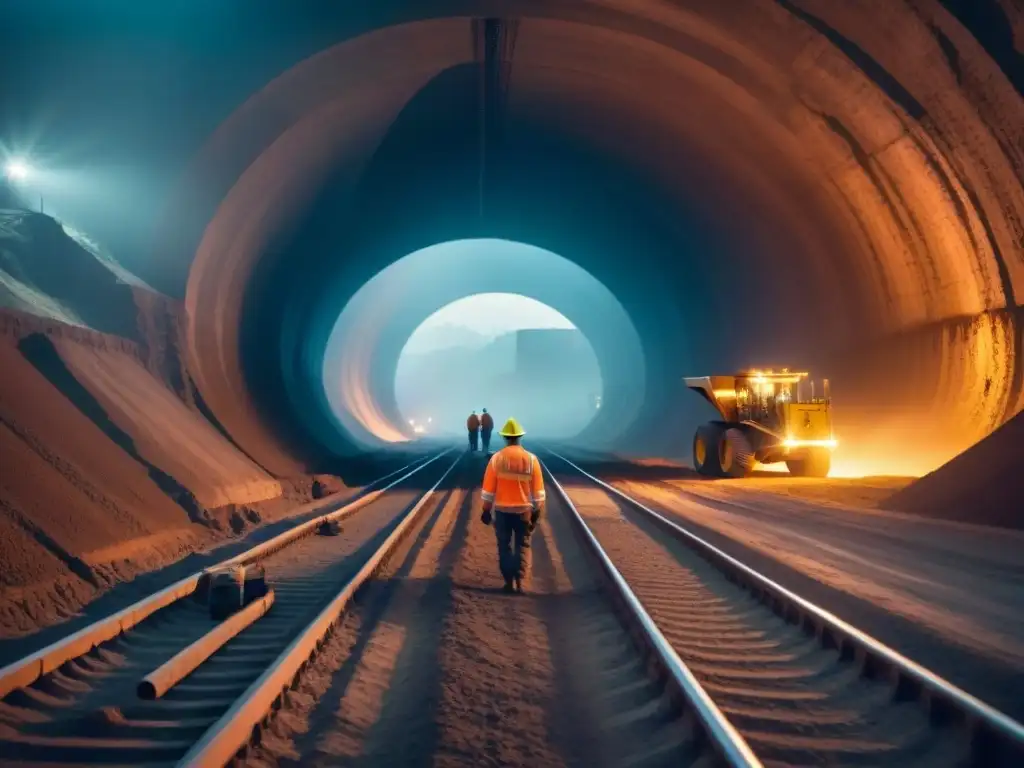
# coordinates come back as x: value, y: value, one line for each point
x: 534, y: 520
x: 486, y: 517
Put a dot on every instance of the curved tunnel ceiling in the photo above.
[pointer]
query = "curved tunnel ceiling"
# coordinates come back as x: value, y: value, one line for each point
x: 782, y: 184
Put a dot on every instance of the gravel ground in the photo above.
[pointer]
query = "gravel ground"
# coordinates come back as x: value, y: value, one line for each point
x: 948, y: 595
x: 436, y: 666
x: 794, y: 702
x: 87, y: 712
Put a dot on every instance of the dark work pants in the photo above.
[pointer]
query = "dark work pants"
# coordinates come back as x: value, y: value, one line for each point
x: 486, y: 436
x: 513, y: 532
x: 472, y: 439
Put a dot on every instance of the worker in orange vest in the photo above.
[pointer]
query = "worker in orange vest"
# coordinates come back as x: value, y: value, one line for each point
x: 473, y: 425
x: 486, y: 427
x: 514, y: 489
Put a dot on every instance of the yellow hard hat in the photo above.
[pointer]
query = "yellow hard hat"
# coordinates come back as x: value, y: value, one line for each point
x: 512, y: 429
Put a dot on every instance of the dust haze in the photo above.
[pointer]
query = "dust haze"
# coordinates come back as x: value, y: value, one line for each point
x: 512, y: 355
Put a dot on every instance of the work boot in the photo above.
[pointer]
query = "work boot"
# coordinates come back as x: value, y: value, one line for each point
x: 508, y: 587
x: 519, y: 586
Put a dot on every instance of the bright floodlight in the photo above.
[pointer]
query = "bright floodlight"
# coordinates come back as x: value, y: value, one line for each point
x: 17, y: 170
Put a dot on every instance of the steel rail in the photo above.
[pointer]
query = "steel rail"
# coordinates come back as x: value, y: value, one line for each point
x: 725, y: 740
x: 991, y: 732
x: 307, y: 528
x: 27, y: 670
x: 234, y: 731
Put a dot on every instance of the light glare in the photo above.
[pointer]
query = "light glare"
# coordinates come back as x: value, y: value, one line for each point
x: 17, y: 170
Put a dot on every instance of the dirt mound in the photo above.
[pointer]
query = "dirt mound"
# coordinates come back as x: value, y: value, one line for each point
x: 323, y: 486
x: 46, y: 272
x: 150, y: 422
x: 107, y: 473
x: 111, y: 463
x: 77, y: 511
x: 984, y: 484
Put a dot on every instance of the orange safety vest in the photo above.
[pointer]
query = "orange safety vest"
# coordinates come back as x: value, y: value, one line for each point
x: 513, y: 481
x: 473, y: 423
x: 486, y: 422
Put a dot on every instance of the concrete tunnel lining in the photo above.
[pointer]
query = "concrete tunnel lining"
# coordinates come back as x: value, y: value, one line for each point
x: 366, y: 342
x: 911, y: 194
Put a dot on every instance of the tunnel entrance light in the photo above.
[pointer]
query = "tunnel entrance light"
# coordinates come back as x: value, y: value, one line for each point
x: 456, y: 345
x: 509, y: 351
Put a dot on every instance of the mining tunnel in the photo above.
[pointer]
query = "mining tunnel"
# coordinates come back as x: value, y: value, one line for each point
x: 827, y: 185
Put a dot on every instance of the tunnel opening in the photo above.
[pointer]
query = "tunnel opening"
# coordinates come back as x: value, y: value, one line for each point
x: 791, y: 210
x: 516, y: 354
x: 557, y: 381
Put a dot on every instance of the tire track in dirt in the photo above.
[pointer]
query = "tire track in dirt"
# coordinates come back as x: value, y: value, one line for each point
x: 437, y: 666
x: 794, y: 702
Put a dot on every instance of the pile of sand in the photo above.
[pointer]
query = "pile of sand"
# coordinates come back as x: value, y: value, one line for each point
x: 984, y: 484
x: 76, y: 510
x: 45, y: 272
x: 109, y: 467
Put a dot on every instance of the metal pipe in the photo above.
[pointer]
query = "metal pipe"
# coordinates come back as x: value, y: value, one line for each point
x: 26, y: 671
x: 162, y: 679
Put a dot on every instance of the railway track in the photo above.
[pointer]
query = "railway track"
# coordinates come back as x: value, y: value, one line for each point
x: 78, y: 701
x: 436, y: 666
x: 798, y: 685
x: 703, y: 662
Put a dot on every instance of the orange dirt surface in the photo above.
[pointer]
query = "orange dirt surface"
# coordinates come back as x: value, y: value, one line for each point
x: 71, y: 492
x: 164, y: 431
x: 435, y: 665
x: 868, y: 492
x: 110, y: 469
x: 956, y: 579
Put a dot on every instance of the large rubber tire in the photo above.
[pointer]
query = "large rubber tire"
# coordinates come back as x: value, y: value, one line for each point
x: 706, y: 450
x: 817, y: 463
x: 735, y: 454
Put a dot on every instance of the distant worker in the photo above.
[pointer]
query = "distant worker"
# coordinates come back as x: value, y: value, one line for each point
x: 473, y: 425
x: 486, y: 427
x: 514, y: 488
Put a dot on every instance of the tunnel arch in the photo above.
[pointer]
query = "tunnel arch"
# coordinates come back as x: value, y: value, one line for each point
x: 367, y: 339
x: 850, y: 187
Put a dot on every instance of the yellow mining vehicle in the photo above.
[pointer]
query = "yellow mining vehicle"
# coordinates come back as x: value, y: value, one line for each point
x: 767, y: 417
